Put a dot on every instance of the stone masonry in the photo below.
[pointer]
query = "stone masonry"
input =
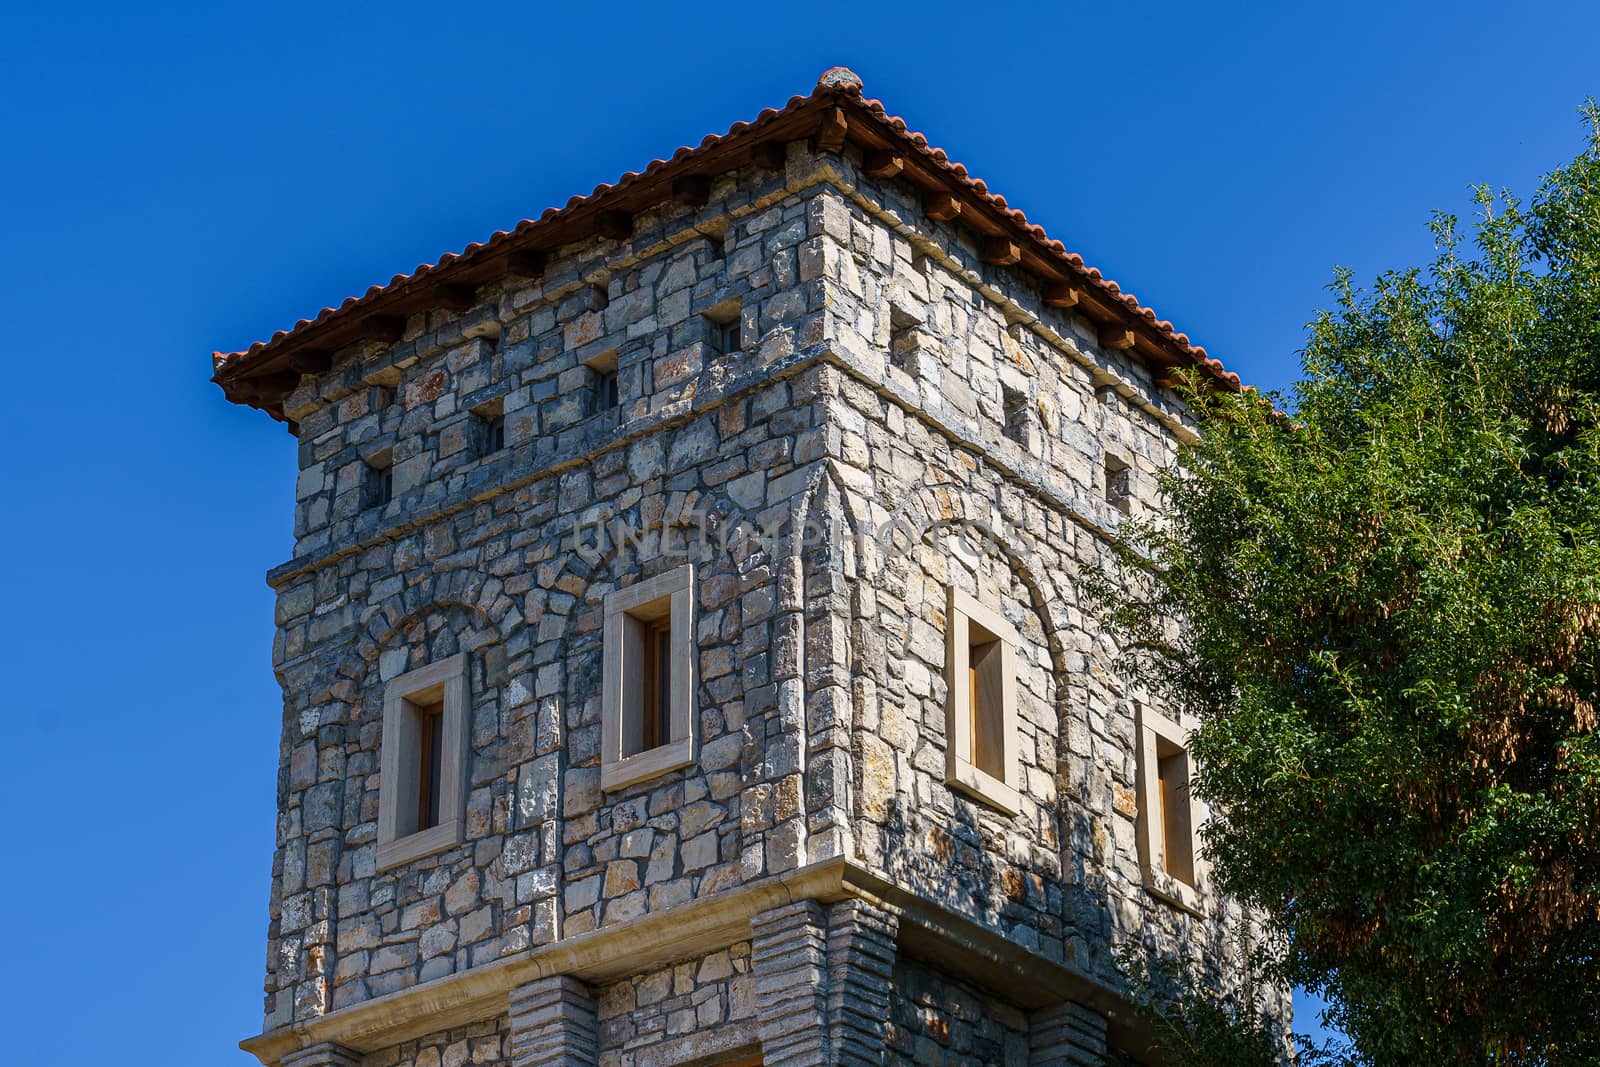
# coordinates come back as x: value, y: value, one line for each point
x: 905, y: 412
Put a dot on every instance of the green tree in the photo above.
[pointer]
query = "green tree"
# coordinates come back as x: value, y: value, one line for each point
x: 1390, y: 589
x: 1195, y: 1025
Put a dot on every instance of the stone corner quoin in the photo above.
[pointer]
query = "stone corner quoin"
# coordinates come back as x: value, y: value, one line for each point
x: 837, y: 409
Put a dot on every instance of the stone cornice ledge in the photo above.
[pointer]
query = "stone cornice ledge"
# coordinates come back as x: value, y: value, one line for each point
x: 575, y: 445
x: 681, y: 932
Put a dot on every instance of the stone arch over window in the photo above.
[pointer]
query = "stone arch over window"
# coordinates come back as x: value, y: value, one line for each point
x: 336, y: 743
x: 939, y: 536
x: 693, y: 811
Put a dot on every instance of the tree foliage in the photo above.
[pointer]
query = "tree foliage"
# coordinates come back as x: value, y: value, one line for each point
x: 1193, y: 1025
x: 1391, y: 635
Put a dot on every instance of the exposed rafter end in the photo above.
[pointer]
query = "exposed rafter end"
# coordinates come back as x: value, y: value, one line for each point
x: 617, y: 225
x: 770, y: 155
x: 528, y: 265
x: 1001, y: 252
x: 941, y: 207
x: 1116, y: 337
x: 455, y: 297
x: 1062, y: 295
x: 881, y: 164
x: 692, y: 190
x: 835, y: 127
x: 262, y: 391
x: 311, y: 360
x: 387, y: 328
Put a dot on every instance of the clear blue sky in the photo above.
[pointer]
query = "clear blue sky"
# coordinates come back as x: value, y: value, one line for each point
x: 179, y: 178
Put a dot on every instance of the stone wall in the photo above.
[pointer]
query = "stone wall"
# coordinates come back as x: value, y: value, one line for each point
x: 484, y: 1044
x: 907, y: 418
x: 939, y: 1022
x: 509, y: 556
x: 976, y: 432
x: 681, y: 1013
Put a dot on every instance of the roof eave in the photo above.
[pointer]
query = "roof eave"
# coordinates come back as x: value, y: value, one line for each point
x: 833, y: 115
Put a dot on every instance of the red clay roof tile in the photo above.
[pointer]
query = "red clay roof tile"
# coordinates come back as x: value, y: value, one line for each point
x: 836, y: 87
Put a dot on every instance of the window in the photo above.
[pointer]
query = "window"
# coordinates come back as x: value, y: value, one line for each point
x: 379, y: 488
x: 430, y: 763
x: 489, y: 422
x: 655, y: 682
x: 715, y: 250
x: 647, y: 697
x: 981, y: 713
x: 1014, y: 409
x: 603, y: 392
x: 494, y: 433
x: 1169, y: 817
x: 723, y: 338
x: 724, y: 324
x: 1177, y: 839
x: 905, y: 339
x: 1118, y: 476
x: 422, y: 762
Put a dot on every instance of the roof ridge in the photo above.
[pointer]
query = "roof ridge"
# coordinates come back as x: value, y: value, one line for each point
x: 256, y: 376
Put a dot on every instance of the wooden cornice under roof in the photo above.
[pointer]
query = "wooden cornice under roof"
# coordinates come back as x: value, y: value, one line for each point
x: 833, y: 115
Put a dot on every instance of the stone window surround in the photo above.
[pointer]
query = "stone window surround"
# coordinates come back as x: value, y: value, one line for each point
x: 445, y: 680
x: 676, y: 589
x: 960, y: 772
x: 1148, y: 727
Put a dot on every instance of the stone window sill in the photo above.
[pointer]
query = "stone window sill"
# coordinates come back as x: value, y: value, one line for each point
x: 984, y: 787
x: 1180, y: 895
x: 415, y: 846
x: 646, y: 765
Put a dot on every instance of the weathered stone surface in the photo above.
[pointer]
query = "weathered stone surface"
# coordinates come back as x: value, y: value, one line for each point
x: 789, y: 954
x: 553, y: 1024
x: 482, y: 1044
x: 1066, y: 1035
x: 902, y: 418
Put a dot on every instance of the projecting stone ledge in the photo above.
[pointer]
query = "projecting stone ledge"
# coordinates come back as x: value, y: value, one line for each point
x: 824, y: 941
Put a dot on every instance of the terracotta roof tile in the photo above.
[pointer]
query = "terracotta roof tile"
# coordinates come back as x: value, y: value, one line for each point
x: 836, y: 87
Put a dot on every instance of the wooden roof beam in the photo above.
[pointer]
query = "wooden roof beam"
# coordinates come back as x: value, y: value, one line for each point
x: 528, y: 265
x: 456, y: 297
x: 1061, y: 294
x: 311, y: 360
x: 833, y: 131
x: 1001, y: 252
x: 770, y: 155
x: 1116, y: 336
x: 941, y: 207
x: 264, y: 390
x: 386, y: 328
x: 692, y: 190
x: 882, y: 164
x: 617, y: 225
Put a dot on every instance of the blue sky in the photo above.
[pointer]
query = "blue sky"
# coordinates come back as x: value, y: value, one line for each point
x: 188, y: 177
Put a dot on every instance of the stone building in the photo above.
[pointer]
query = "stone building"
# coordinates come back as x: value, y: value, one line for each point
x: 682, y: 650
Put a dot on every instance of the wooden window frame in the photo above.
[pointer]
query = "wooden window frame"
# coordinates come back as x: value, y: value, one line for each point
x: 1168, y: 810
x: 633, y: 618
x: 969, y: 686
x: 404, y: 753
x: 430, y: 764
